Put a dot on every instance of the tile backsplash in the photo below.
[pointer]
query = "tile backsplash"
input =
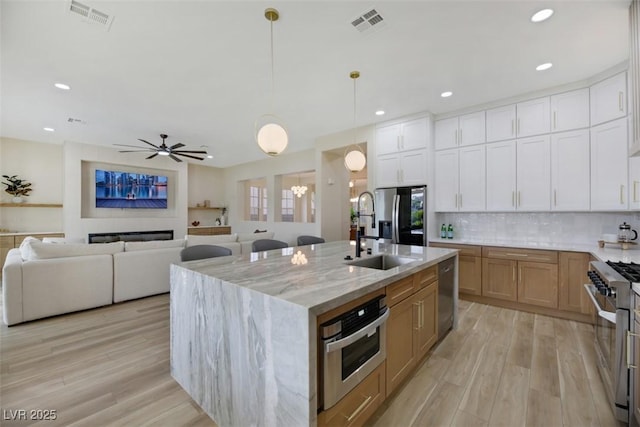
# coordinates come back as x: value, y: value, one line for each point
x: 532, y: 227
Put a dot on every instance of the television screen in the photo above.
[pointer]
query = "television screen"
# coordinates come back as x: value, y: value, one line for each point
x: 116, y: 189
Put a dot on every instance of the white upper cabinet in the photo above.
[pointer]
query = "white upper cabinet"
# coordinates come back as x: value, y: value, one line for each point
x: 400, y: 169
x: 609, y: 99
x: 472, y: 178
x: 472, y: 129
x: 409, y: 135
x: 446, y: 185
x: 501, y: 176
x: 446, y: 133
x: 459, y: 131
x: 634, y: 183
x: 533, y: 117
x: 570, y: 173
x: 387, y: 139
x: 570, y: 110
x: 609, y: 162
x: 460, y: 179
x: 533, y: 179
x: 501, y: 123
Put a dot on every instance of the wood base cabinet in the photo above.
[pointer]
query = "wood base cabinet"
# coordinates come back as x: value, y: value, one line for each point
x: 209, y: 231
x: 469, y: 267
x: 538, y: 283
x: 359, y: 404
x: 412, y: 329
x: 499, y: 279
x: 572, y: 275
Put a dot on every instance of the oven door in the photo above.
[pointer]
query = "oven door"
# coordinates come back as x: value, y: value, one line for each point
x: 349, y: 360
x: 611, y: 326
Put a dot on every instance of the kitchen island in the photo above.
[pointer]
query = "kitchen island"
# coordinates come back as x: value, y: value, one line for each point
x: 243, y: 329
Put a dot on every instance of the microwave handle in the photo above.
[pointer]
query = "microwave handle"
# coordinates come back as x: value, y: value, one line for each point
x: 371, y: 327
x: 611, y: 317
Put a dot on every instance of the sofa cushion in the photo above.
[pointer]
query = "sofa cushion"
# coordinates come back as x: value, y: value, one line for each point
x: 250, y: 237
x: 25, y: 247
x: 210, y: 240
x: 153, y: 244
x: 41, y: 250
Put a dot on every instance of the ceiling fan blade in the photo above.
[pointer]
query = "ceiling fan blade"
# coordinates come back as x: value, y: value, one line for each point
x: 134, y: 151
x: 178, y: 145
x: 147, y: 142
x: 152, y: 156
x: 190, y: 151
x: 134, y: 146
x: 191, y: 157
x: 174, y: 157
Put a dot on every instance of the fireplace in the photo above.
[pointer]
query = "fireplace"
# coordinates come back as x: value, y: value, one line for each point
x: 130, y: 236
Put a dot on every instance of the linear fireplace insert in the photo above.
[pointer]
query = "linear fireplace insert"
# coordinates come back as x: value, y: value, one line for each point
x: 130, y: 236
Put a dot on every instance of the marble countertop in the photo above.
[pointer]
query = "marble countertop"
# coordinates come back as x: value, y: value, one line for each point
x: 325, y: 281
x: 608, y: 253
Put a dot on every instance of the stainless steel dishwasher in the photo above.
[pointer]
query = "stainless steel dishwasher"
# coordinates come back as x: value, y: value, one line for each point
x: 446, y: 272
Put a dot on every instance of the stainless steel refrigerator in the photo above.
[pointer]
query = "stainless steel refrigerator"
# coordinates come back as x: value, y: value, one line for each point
x: 401, y: 215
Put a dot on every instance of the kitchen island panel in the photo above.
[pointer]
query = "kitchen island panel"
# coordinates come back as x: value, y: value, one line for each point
x: 243, y: 356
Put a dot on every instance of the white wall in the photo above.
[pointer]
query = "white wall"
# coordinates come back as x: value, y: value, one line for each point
x: 40, y: 164
x: 206, y: 183
x: 75, y: 225
x: 268, y: 169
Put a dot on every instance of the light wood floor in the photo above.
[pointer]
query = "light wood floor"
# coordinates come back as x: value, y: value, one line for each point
x: 110, y: 367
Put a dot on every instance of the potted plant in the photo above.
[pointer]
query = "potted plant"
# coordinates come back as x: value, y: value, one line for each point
x: 17, y: 187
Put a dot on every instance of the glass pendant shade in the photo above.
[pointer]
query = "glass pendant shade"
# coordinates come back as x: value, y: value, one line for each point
x: 355, y: 160
x: 271, y: 136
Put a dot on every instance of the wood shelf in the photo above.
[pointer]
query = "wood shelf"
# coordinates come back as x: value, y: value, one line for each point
x: 30, y: 205
x: 202, y: 208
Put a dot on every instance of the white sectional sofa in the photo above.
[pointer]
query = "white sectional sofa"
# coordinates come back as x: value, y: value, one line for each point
x: 45, y: 279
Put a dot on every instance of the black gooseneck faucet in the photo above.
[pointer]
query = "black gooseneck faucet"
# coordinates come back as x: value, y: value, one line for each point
x: 359, y: 235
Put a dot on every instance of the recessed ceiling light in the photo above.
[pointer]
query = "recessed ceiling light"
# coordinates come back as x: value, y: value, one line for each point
x: 446, y: 94
x: 542, y: 15
x: 49, y: 129
x: 544, y: 66
x: 62, y: 86
x: 380, y: 113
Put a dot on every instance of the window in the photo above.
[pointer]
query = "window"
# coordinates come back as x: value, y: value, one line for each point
x: 256, y: 200
x: 287, y: 205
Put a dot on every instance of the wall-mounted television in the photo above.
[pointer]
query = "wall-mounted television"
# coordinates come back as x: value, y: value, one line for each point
x: 116, y: 189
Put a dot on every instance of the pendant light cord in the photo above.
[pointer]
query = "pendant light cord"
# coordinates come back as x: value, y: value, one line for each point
x: 273, y: 85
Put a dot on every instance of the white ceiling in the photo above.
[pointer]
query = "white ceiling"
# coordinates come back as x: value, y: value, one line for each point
x: 200, y: 70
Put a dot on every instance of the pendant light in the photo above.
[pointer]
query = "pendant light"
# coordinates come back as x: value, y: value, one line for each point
x: 299, y: 190
x: 271, y: 134
x: 354, y: 158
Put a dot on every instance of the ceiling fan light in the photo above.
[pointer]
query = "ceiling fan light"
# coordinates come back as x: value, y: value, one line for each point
x: 272, y: 138
x: 163, y: 153
x: 355, y: 160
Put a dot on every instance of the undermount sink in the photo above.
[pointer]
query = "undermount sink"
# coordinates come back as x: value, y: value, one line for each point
x: 382, y: 262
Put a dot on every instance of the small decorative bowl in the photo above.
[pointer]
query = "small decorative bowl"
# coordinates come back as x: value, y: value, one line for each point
x: 195, y: 223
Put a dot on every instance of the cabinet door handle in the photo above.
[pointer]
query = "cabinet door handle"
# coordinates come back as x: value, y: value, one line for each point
x: 518, y: 128
x: 554, y: 120
x: 455, y: 196
x: 522, y: 255
x: 417, y: 305
x: 421, y: 314
x: 519, y: 203
x: 514, y: 273
x: 519, y: 275
x: 621, y: 101
x: 622, y: 194
x: 358, y: 409
x: 398, y: 142
x: 629, y: 335
x: 460, y: 139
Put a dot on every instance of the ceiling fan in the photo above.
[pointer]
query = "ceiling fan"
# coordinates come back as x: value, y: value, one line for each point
x: 164, y: 150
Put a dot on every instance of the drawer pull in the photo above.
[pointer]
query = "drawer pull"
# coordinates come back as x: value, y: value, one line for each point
x: 358, y: 409
x: 510, y: 254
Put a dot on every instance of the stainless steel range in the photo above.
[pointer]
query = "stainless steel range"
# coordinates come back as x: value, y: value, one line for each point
x: 611, y: 294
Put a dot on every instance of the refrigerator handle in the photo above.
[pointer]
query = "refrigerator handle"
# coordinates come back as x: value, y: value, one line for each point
x: 396, y: 217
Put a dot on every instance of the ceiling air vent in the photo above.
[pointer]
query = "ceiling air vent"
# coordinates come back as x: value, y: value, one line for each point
x: 76, y: 121
x: 368, y: 21
x: 89, y: 14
